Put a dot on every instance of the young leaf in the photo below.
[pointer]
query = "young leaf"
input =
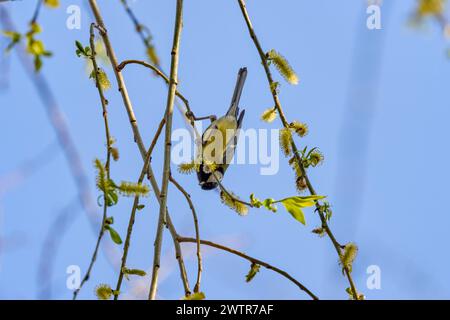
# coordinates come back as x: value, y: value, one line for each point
x: 195, y: 296
x: 114, y: 235
x: 268, y: 204
x: 294, y: 210
x: 254, y: 269
x: 295, y: 204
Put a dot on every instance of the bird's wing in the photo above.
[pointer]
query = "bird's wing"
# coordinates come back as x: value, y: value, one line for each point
x: 232, y: 143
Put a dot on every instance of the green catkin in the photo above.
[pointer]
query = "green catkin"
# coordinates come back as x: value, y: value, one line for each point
x: 133, y: 189
x: 101, y: 180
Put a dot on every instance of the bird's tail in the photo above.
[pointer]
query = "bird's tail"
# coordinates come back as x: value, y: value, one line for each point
x: 234, y: 108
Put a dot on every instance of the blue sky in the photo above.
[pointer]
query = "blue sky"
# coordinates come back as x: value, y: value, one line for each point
x: 376, y: 105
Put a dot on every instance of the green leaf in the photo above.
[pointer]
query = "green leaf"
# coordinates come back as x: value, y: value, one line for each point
x: 255, y: 201
x: 37, y: 63
x: 79, y: 46
x: 294, y: 210
x: 254, y: 269
x: 195, y: 296
x: 15, y: 36
x: 114, y: 235
x: 111, y: 197
x: 294, y: 205
x: 140, y: 207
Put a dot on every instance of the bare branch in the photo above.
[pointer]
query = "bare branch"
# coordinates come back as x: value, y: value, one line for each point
x: 253, y: 260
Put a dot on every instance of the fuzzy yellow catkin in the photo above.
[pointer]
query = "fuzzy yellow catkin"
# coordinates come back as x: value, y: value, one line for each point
x: 301, y: 184
x: 285, y: 141
x: 101, y: 180
x: 152, y: 56
x: 115, y: 153
x: 269, y: 115
x: 294, y: 164
x: 187, y: 168
x: 52, y: 3
x: 103, y: 79
x: 103, y: 292
x: 300, y: 128
x: 283, y: 66
x: 430, y: 7
x: 316, y: 158
x: 349, y: 255
x: 233, y: 204
x: 133, y: 189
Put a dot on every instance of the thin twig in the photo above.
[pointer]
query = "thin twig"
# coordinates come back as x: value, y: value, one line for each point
x: 229, y: 194
x: 167, y: 147
x: 197, y: 231
x: 253, y: 260
x: 279, y: 108
x: 36, y: 11
x: 137, y: 137
x: 142, y: 30
x: 108, y: 158
x: 133, y: 210
x: 189, y: 113
x: 145, y: 35
x: 159, y: 73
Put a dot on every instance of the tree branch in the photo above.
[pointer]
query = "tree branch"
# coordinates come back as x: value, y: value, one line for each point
x: 253, y: 260
x: 137, y: 137
x: 197, y: 231
x: 108, y: 158
x: 126, y: 245
x: 279, y: 109
x: 167, y: 147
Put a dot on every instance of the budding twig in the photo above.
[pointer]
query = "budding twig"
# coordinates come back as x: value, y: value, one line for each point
x: 137, y: 137
x: 108, y: 159
x: 279, y: 108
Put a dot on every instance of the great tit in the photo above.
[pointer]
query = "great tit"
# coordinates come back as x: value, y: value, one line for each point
x: 219, y: 140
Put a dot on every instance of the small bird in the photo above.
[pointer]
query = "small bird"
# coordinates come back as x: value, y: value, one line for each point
x: 219, y: 140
